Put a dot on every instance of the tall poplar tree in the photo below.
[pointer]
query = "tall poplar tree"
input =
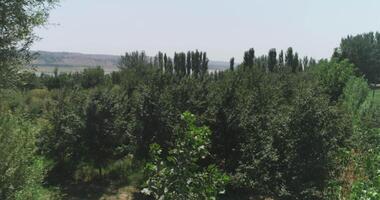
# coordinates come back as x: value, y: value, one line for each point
x: 249, y: 58
x: 232, y: 64
x: 272, y: 60
x: 289, y: 57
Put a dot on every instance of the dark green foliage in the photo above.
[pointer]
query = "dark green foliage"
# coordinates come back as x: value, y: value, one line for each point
x: 61, y: 139
x: 92, y: 77
x: 272, y: 60
x: 295, y: 63
x: 279, y: 148
x: 223, y: 118
x: 188, y: 63
x: 249, y: 58
x: 317, y: 132
x: 281, y: 60
x: 135, y: 60
x: 363, y: 51
x: 232, y: 64
x: 105, y: 136
x: 289, y: 58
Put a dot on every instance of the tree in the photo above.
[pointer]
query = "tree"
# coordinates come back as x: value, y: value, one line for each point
x: 317, y: 132
x: 133, y: 60
x: 232, y: 63
x: 165, y: 62
x: 103, y: 139
x: 92, y: 77
x: 188, y: 63
x: 272, y: 60
x: 333, y: 76
x: 249, y: 58
x: 363, y: 51
x: 295, y: 63
x: 169, y: 66
x: 204, y: 65
x: 178, y: 175
x: 61, y: 139
x: 305, y: 62
x: 17, y: 22
x: 281, y: 59
x: 161, y: 61
x: 289, y: 58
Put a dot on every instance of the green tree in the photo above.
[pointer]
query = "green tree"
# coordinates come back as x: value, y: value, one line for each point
x: 272, y: 60
x: 188, y: 63
x: 363, y: 51
x: 204, y: 65
x: 289, y: 58
x: 178, y: 175
x: 232, y: 64
x: 135, y: 60
x: 61, y: 139
x: 249, y: 58
x: 281, y: 59
x: 92, y: 77
x: 333, y: 76
x: 19, y: 18
x: 295, y: 63
x: 104, y: 140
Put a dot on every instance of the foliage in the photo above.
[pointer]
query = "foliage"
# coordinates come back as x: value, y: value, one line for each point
x: 333, y: 76
x: 105, y: 133
x: 179, y: 176
x: 92, y: 77
x: 363, y: 51
x: 22, y: 171
x: 60, y: 140
x: 18, y: 20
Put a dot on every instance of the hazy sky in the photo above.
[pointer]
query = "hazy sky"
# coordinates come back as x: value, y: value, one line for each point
x: 223, y: 28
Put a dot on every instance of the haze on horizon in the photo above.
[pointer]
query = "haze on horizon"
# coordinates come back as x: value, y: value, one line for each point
x: 222, y: 28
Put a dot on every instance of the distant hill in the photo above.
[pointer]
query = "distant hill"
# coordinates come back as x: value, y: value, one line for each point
x: 69, y: 62
x: 67, y: 59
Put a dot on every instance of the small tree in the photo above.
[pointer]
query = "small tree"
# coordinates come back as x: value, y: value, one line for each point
x: 178, y: 176
x: 232, y: 64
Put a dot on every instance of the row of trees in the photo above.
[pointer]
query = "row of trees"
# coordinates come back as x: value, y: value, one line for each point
x: 363, y: 51
x: 194, y: 62
x: 289, y: 61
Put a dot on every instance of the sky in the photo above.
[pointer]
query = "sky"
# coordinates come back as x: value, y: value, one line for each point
x: 222, y: 28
